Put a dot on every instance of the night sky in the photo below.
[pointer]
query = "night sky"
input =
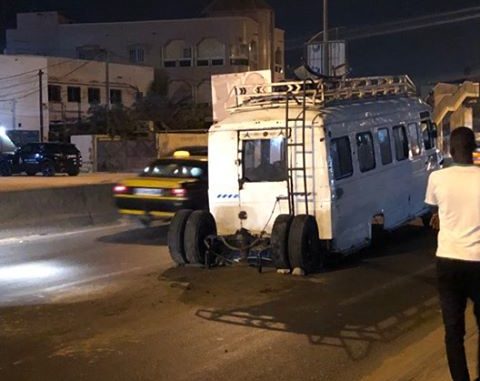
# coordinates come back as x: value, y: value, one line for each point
x: 429, y: 52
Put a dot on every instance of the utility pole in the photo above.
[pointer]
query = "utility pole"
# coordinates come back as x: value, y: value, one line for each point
x: 326, y: 48
x: 107, y: 90
x: 40, y: 84
x: 107, y: 78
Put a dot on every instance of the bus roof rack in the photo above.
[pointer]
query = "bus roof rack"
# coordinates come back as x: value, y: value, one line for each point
x: 319, y: 92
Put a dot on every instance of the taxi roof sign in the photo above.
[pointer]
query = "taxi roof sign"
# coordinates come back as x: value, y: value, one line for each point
x: 181, y: 154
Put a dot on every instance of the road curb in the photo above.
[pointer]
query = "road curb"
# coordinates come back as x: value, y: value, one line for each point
x: 56, y: 208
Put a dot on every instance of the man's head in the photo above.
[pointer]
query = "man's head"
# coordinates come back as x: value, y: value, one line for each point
x: 462, y: 145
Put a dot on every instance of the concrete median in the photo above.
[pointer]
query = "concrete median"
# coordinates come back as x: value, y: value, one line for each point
x: 47, y: 209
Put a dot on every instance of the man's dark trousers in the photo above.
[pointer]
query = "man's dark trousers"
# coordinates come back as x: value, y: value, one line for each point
x: 458, y: 281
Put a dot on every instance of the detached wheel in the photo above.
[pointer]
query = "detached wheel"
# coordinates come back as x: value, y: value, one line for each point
x: 176, y: 236
x: 48, y: 169
x: 5, y: 169
x: 199, y: 226
x: 304, y: 244
x: 279, y: 241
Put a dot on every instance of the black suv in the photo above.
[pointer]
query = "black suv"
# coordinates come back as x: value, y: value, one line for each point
x: 47, y: 158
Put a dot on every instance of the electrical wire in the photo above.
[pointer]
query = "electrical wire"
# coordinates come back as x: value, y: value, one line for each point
x: 8, y: 77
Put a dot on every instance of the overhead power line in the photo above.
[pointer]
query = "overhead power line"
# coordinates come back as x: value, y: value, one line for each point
x: 12, y: 76
x: 405, y: 25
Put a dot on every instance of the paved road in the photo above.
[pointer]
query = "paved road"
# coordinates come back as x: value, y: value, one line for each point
x: 106, y: 304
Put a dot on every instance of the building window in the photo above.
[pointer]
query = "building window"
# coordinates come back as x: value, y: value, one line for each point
x: 54, y: 93
x: 401, y: 143
x: 211, y: 51
x: 239, y: 55
x: 115, y: 96
x: 365, y: 152
x: 415, y: 139
x: 177, y: 53
x: 185, y: 63
x: 93, y: 95
x: 136, y: 55
x: 239, y: 61
x: 73, y: 94
x: 383, y: 136
x: 341, y: 156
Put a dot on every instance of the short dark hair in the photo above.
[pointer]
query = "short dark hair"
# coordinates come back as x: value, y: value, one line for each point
x: 462, y: 141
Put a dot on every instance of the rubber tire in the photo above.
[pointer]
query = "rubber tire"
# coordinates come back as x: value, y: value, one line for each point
x: 176, y: 236
x: 199, y: 226
x: 304, y: 244
x: 5, y: 169
x: 279, y: 241
x: 76, y: 172
x: 31, y: 173
x: 48, y: 169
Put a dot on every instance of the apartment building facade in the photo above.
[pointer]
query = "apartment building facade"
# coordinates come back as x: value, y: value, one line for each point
x: 62, y: 91
x: 230, y: 38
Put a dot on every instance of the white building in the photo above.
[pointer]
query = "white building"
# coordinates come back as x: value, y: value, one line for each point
x: 70, y: 88
x: 20, y: 94
x: 232, y: 38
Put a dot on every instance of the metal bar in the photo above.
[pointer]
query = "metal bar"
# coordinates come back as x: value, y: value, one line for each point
x: 304, y: 156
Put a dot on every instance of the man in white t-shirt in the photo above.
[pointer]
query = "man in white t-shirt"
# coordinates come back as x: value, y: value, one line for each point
x: 454, y: 193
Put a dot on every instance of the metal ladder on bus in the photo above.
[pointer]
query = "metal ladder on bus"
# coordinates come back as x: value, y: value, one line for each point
x: 299, y: 170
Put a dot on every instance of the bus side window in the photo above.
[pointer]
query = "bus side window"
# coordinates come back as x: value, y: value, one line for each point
x: 365, y: 152
x: 341, y: 155
x: 401, y: 143
x: 383, y: 136
x: 414, y: 138
x: 428, y: 134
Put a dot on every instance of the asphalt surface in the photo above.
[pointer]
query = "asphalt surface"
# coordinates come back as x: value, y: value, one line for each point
x: 107, y: 304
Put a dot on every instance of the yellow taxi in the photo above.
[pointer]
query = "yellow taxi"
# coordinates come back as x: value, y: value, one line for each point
x: 476, y: 156
x: 178, y: 181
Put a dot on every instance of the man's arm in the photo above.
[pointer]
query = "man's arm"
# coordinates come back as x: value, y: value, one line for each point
x: 432, y: 202
x: 435, y: 219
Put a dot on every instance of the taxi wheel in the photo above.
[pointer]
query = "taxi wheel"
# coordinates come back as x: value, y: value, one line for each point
x: 199, y: 226
x: 279, y: 241
x: 303, y: 244
x: 175, y: 237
